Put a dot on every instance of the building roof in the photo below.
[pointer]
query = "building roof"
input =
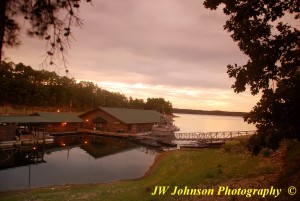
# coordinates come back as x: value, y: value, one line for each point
x: 42, y: 117
x: 58, y: 117
x: 133, y: 116
x: 22, y: 119
x: 128, y: 116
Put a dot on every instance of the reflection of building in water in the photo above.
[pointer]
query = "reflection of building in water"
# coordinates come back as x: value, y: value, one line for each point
x: 148, y: 150
x: 95, y: 146
x: 101, y: 147
x: 10, y: 158
x: 98, y: 146
x: 26, y: 157
x: 74, y: 151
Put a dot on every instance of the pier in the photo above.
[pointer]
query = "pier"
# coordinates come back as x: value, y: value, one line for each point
x: 146, y: 138
x: 17, y: 144
x: 196, y: 136
x: 152, y: 139
x: 214, y: 136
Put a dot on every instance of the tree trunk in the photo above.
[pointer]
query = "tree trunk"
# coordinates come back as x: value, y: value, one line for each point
x: 3, y: 4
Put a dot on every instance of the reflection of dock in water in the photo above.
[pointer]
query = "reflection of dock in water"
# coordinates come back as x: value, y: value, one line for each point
x: 94, y: 146
x: 164, y: 139
x: 36, y: 139
x: 156, y: 139
x: 10, y: 158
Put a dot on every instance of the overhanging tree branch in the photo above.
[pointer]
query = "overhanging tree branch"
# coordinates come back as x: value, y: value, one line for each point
x: 273, y: 67
x: 51, y: 20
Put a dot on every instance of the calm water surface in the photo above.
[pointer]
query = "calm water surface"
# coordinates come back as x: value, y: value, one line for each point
x: 73, y: 160
x: 85, y: 163
x: 210, y: 123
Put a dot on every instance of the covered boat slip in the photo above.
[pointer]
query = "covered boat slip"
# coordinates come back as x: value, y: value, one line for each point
x: 19, y: 130
x: 16, y: 131
x: 22, y: 131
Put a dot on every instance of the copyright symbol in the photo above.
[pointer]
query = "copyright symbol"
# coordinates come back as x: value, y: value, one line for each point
x: 292, y: 190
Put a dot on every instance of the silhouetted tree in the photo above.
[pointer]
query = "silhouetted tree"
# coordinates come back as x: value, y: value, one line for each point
x: 136, y: 103
x: 159, y: 104
x: 23, y: 86
x: 273, y: 67
x: 51, y: 20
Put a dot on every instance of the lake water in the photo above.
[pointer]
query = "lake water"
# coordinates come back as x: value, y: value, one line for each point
x: 210, y: 123
x: 90, y: 159
x: 68, y: 162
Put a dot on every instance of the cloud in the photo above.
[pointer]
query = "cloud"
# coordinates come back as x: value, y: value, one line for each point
x: 160, y: 39
x: 173, y: 48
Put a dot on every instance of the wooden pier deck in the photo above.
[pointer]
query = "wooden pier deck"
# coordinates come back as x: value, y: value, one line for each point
x: 25, y: 141
x: 107, y: 134
x: 206, y: 138
x: 213, y: 136
x: 142, y: 138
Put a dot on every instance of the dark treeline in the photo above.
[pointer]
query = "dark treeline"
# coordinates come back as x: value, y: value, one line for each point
x: 22, y: 85
x: 216, y: 112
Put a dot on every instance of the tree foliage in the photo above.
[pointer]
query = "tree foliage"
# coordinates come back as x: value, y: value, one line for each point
x: 159, y: 104
x: 20, y: 85
x: 51, y: 20
x: 262, y: 32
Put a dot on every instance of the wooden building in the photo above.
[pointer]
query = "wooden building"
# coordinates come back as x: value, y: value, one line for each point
x: 10, y: 126
x: 120, y: 119
x: 7, y: 133
x: 60, y: 121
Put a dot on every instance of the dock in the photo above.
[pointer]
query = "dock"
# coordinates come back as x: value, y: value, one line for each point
x: 203, y: 144
x: 214, y: 136
x: 201, y: 139
x: 141, y: 138
x: 16, y: 144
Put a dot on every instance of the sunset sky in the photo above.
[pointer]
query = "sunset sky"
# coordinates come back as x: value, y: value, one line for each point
x: 174, y: 49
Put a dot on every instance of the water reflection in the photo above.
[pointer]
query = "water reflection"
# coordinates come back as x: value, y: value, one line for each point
x: 74, y: 159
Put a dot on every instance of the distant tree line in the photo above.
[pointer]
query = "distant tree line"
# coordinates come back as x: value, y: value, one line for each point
x: 205, y: 112
x: 22, y: 85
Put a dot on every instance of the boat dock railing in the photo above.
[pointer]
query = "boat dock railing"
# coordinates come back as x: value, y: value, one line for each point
x: 222, y: 135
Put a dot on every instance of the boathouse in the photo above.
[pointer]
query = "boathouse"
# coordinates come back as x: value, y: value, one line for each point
x: 12, y: 126
x: 120, y: 119
x: 60, y: 121
x: 47, y: 121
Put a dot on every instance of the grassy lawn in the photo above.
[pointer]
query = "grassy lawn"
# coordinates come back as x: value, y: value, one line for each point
x: 205, y: 168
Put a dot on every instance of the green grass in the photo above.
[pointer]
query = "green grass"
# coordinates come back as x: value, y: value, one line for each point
x: 192, y: 168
